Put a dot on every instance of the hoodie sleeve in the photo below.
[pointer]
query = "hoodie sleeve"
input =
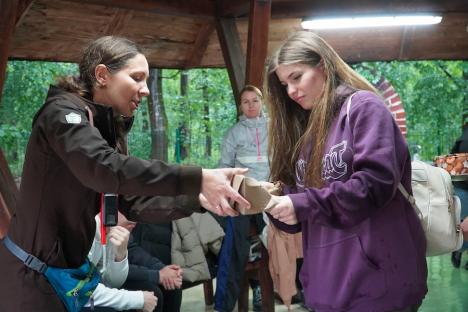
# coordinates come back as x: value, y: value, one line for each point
x: 118, y: 299
x: 228, y: 150
x: 380, y: 154
x: 143, y: 266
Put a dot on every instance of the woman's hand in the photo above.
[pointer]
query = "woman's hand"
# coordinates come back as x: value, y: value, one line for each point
x: 284, y: 210
x: 118, y: 236
x: 216, y: 191
x: 150, y: 301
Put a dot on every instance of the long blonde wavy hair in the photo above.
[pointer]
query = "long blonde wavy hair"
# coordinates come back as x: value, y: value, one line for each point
x: 291, y: 127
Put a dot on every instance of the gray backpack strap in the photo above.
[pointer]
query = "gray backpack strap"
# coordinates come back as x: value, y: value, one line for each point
x: 410, y: 198
x: 29, y: 260
x: 348, y: 107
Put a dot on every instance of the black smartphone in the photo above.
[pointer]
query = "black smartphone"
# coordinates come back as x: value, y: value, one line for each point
x: 110, y: 214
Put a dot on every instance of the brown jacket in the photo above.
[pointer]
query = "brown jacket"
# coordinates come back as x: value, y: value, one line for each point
x: 68, y: 163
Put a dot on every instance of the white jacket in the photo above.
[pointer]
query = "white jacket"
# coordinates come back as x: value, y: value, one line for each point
x: 107, y: 293
x: 245, y: 145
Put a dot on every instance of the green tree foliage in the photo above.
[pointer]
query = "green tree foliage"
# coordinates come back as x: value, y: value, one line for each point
x: 434, y: 96
x: 222, y: 112
x: 24, y: 92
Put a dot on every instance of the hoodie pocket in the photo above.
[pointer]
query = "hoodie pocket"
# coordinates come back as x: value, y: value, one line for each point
x: 339, y: 275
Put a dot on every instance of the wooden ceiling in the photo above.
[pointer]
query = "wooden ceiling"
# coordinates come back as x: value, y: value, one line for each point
x: 182, y: 34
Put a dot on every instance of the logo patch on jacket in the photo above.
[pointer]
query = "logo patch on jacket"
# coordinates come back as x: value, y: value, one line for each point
x: 73, y: 118
x: 333, y: 166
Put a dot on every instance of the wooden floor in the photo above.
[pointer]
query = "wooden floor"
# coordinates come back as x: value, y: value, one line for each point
x: 448, y: 290
x: 193, y: 301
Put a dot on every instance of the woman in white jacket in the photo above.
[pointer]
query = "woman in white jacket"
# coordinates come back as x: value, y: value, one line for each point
x: 245, y: 145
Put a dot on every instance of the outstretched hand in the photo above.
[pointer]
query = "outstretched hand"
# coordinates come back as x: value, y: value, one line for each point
x: 216, y: 191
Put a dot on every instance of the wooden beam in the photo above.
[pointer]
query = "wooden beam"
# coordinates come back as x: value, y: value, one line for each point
x: 8, y: 13
x: 8, y: 188
x: 229, y: 8
x: 22, y: 9
x: 257, y: 45
x: 232, y: 52
x: 201, y: 43
x: 11, y: 13
x: 119, y: 21
x: 405, y: 43
x: 193, y: 8
x: 4, y: 218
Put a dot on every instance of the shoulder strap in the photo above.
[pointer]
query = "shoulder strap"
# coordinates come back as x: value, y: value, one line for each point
x: 410, y: 198
x: 29, y: 260
x: 348, y: 107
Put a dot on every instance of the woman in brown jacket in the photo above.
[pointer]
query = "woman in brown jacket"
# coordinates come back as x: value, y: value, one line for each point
x: 78, y: 150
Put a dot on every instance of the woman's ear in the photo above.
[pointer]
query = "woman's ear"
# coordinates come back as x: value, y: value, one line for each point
x: 102, y: 75
x: 321, y: 65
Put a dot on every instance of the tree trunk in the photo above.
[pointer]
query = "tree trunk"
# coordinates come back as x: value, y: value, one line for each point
x: 206, y: 122
x: 465, y: 101
x: 157, y: 116
x: 183, y: 130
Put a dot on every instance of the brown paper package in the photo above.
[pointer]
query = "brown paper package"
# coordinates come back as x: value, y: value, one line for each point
x: 259, y: 197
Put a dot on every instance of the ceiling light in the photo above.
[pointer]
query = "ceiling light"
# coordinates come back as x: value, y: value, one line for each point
x: 370, y: 21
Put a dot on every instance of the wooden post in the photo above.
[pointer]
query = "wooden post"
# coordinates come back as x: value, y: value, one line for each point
x: 4, y: 218
x: 257, y: 46
x: 8, y: 194
x: 8, y: 13
x: 232, y: 53
x: 11, y: 13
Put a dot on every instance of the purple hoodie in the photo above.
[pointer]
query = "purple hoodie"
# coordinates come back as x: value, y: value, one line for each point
x: 364, y: 247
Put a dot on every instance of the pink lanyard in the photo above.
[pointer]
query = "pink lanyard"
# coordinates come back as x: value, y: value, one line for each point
x: 259, y: 155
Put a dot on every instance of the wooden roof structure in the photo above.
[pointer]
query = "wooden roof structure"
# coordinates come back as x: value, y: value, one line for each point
x: 217, y: 33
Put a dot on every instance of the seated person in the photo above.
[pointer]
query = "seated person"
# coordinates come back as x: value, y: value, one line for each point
x: 149, y: 273
x: 461, y: 190
x: 107, y: 296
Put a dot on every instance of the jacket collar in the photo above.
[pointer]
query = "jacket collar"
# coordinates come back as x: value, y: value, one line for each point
x: 103, y: 116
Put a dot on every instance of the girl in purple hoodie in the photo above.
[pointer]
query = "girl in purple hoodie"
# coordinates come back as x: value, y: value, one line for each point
x: 341, y: 156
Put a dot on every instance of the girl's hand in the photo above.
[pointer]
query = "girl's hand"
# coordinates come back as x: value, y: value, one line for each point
x: 284, y: 211
x: 118, y: 236
x: 150, y: 301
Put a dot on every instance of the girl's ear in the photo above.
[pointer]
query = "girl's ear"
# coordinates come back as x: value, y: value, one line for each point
x: 102, y: 75
x: 321, y: 65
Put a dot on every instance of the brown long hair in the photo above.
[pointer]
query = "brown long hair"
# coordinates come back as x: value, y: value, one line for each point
x: 291, y: 127
x: 112, y: 51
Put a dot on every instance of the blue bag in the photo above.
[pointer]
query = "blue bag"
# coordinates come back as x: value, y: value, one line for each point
x: 74, y: 286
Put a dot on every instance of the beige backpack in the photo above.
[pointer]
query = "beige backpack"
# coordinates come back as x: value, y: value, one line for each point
x: 437, y: 207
